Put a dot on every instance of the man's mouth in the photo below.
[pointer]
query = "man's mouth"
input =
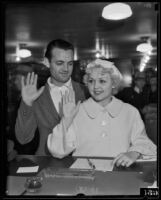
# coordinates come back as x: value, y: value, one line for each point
x: 64, y: 73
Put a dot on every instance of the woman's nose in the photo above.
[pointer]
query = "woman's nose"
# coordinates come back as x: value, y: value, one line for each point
x: 96, y: 85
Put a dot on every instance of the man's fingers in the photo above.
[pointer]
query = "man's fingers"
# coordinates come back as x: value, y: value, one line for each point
x: 28, y: 79
x: 41, y: 90
x: 22, y: 81
x: 32, y: 78
x: 35, y: 79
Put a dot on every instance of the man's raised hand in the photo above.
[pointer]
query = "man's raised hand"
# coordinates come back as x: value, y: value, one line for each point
x: 29, y: 89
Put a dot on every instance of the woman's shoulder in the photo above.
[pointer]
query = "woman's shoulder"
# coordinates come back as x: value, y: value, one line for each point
x: 130, y: 108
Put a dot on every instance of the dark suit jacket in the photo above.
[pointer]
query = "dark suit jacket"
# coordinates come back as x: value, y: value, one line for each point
x: 43, y: 115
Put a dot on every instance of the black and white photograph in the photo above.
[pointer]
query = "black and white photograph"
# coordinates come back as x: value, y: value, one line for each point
x: 82, y: 101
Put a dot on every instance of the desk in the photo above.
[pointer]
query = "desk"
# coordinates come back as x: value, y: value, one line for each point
x: 121, y: 181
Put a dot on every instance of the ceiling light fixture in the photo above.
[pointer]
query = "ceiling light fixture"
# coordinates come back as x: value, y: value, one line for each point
x: 145, y: 46
x: 18, y: 58
x: 98, y: 55
x: 116, y: 11
x: 24, y: 53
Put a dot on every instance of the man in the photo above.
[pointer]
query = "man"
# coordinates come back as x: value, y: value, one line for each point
x: 135, y: 95
x: 14, y: 99
x: 43, y: 108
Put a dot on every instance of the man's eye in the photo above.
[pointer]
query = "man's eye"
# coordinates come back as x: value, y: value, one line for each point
x: 71, y: 63
x: 59, y: 63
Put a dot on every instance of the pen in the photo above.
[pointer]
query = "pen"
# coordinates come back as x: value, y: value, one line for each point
x: 91, y: 164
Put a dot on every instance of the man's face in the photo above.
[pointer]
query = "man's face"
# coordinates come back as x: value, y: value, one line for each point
x: 61, y: 65
x: 140, y: 83
x: 100, y: 86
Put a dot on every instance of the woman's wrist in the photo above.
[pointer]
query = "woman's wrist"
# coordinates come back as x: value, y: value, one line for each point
x: 137, y: 154
x: 67, y: 121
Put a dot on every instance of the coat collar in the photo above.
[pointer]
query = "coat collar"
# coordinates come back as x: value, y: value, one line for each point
x: 92, y: 108
x: 52, y: 86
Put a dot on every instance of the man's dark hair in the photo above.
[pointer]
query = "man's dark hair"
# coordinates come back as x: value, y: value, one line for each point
x: 59, y: 43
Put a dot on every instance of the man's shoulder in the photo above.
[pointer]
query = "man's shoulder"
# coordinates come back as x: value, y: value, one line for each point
x: 44, y: 96
x: 80, y: 90
x: 78, y: 85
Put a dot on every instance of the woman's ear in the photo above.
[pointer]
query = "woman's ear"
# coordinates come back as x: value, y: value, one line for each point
x: 113, y: 84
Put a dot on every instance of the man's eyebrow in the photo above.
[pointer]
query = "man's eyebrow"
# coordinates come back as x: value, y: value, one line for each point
x: 59, y: 61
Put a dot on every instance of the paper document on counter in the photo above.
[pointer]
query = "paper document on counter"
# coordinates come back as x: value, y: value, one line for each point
x: 146, y: 160
x: 27, y: 169
x: 100, y: 164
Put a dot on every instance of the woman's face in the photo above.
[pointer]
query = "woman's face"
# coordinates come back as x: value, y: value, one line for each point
x: 100, y: 86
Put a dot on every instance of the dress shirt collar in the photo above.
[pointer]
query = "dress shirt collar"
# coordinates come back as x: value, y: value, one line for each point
x: 68, y: 84
x: 93, y: 108
x: 137, y: 89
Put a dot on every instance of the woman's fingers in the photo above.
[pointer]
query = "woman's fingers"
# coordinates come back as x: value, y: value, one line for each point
x: 116, y: 159
x: 71, y: 96
x: 129, y: 163
x: 124, y: 161
x: 120, y: 161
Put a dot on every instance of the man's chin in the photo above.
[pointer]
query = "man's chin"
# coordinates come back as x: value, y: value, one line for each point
x: 64, y: 79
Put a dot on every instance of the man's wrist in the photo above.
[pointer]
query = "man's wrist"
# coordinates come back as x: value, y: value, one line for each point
x: 28, y: 103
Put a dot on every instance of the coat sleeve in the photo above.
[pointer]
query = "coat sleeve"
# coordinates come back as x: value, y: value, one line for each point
x: 140, y: 141
x: 61, y: 142
x: 25, y: 123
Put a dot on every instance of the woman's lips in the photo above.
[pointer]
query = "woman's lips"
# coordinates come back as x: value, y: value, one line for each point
x: 98, y: 92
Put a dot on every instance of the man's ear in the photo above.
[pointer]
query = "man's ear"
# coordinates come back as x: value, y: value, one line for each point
x: 46, y: 62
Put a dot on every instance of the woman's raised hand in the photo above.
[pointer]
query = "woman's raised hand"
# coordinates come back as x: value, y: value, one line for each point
x: 29, y: 89
x: 69, y: 107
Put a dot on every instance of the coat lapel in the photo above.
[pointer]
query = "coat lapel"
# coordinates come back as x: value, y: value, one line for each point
x: 50, y: 104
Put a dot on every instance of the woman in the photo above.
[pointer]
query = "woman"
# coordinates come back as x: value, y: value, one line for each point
x: 103, y: 125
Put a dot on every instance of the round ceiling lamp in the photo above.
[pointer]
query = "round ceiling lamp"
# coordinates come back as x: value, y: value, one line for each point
x: 145, y: 46
x: 116, y: 11
x: 24, y: 53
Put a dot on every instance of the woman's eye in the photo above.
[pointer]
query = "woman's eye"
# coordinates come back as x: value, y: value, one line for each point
x: 90, y: 81
x: 102, y: 81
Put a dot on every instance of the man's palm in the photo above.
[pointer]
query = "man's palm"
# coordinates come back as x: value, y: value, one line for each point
x: 29, y: 89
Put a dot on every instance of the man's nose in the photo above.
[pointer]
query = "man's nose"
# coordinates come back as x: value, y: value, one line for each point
x: 65, y: 67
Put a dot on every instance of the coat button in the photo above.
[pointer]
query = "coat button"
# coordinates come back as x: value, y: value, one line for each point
x: 103, y: 123
x: 104, y: 134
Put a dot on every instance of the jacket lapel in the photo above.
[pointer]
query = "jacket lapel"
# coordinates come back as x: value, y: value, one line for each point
x: 50, y: 104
